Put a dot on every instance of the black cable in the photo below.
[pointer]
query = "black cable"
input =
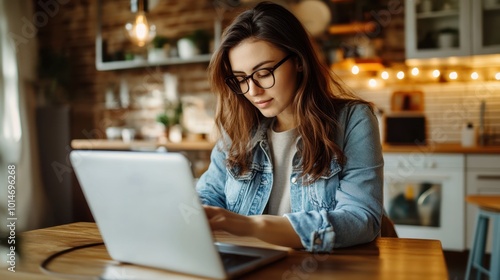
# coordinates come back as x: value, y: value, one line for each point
x: 44, y: 265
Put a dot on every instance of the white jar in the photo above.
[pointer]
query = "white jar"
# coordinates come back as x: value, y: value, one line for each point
x: 175, y: 133
x: 128, y: 135
x: 155, y: 55
x: 469, y: 135
x: 186, y: 48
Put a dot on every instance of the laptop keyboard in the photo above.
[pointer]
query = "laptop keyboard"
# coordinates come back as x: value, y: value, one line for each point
x: 232, y: 260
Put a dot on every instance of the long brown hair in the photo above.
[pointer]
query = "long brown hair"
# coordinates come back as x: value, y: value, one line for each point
x: 316, y: 104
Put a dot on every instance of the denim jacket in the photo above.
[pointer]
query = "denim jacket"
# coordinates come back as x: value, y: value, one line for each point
x: 342, y: 208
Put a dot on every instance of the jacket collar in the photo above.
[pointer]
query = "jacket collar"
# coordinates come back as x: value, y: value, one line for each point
x: 260, y: 133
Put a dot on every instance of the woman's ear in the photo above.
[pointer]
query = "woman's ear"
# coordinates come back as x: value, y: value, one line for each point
x: 298, y: 64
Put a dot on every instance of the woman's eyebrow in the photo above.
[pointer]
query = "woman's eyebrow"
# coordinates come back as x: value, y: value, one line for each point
x: 260, y: 64
x: 256, y: 66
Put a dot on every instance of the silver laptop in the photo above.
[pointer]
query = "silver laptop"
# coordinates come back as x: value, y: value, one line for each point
x: 148, y: 213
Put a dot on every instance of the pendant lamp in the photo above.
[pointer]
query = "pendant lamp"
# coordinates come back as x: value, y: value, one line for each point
x: 139, y: 30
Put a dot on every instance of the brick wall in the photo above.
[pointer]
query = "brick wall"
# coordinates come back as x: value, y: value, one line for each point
x: 448, y: 107
x: 72, y: 27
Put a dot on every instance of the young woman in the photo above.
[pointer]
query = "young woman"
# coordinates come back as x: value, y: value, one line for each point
x: 299, y: 163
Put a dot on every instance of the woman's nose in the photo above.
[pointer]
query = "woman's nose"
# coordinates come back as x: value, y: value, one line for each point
x: 253, y: 88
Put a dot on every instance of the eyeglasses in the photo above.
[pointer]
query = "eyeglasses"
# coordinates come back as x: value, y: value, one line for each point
x: 263, y: 78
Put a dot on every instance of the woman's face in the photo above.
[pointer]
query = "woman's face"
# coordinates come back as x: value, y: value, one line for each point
x: 251, y: 55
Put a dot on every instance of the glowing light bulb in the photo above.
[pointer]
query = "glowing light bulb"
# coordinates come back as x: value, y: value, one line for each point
x: 385, y: 75
x: 400, y: 75
x: 355, y: 70
x: 372, y: 83
x: 415, y: 71
x: 436, y: 73
x: 139, y: 30
x: 453, y: 75
x: 497, y: 76
x: 474, y: 76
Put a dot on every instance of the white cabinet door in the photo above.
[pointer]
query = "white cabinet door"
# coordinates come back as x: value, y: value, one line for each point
x: 437, y: 28
x: 485, y: 23
x: 482, y: 177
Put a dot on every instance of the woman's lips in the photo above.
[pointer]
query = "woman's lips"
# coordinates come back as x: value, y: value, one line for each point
x: 263, y: 103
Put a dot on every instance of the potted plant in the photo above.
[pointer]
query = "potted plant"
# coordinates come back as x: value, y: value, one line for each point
x: 447, y: 38
x: 158, y: 50
x: 201, y: 39
x: 171, y: 119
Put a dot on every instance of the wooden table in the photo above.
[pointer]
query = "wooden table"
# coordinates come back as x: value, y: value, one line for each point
x: 385, y: 258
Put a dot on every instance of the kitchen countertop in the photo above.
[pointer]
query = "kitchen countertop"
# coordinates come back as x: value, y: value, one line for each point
x: 441, y: 149
x: 104, y: 144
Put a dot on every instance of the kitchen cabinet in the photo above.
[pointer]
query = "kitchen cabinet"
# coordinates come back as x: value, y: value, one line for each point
x: 482, y: 177
x: 485, y: 20
x: 451, y: 28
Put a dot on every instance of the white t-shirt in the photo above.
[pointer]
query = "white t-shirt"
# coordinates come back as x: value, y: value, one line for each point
x: 283, y: 147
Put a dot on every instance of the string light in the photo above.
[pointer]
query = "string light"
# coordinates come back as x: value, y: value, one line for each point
x: 355, y: 70
x: 474, y: 76
x: 453, y: 75
x: 385, y: 75
x: 400, y: 75
x: 415, y: 71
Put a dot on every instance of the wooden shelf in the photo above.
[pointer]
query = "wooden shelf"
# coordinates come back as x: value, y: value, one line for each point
x: 352, y: 28
x: 128, y: 64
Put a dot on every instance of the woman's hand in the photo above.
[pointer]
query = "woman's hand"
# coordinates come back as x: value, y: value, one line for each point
x: 273, y: 229
x: 222, y: 219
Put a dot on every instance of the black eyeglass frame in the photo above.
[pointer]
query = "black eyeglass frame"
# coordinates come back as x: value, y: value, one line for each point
x: 246, y: 78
